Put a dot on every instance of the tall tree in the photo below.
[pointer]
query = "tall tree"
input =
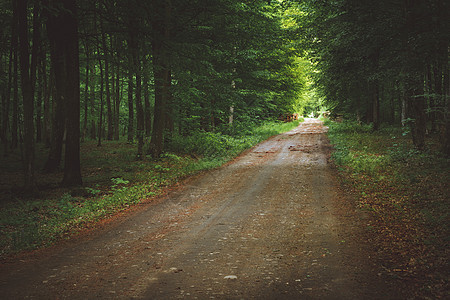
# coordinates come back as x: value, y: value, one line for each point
x: 161, y: 72
x: 27, y: 94
x: 62, y: 31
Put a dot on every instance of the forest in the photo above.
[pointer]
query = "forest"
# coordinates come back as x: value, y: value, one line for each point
x: 151, y: 70
x: 99, y: 97
x: 104, y: 104
x: 148, y: 70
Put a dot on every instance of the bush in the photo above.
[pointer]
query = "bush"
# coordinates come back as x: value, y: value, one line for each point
x: 216, y: 144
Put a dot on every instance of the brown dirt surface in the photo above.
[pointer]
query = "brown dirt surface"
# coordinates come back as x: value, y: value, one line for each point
x: 273, y: 224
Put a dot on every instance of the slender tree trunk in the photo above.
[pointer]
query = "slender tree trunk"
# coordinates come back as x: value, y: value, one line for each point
x: 157, y: 140
x: 117, y: 106
x: 147, y: 108
x: 131, y: 73
x: 417, y: 110
x: 72, y: 167
x: 404, y: 109
x: 109, y: 118
x: 161, y: 72
x: 130, y: 105
x: 86, y: 96
x: 446, y: 101
x: 62, y: 30
x: 58, y: 86
x: 7, y: 99
x: 15, y: 76
x: 39, y: 53
x: 27, y: 94
x: 39, y: 96
x: 47, y: 115
x: 35, y: 46
x: 375, y: 105
x: 139, y: 108
x: 438, y: 92
x: 93, y: 128
x: 100, y: 116
x: 170, y: 123
x: 414, y: 69
x: 431, y: 99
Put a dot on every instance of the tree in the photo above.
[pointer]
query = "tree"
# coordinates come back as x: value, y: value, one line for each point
x: 62, y: 31
x: 27, y: 94
x: 371, y: 54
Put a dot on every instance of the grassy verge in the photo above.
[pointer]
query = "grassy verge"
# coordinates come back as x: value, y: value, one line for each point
x: 114, y: 181
x: 406, y: 192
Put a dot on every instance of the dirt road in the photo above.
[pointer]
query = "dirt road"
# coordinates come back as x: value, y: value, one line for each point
x: 271, y: 225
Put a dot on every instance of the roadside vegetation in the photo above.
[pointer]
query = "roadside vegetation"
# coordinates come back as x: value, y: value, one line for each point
x: 114, y: 181
x: 406, y: 193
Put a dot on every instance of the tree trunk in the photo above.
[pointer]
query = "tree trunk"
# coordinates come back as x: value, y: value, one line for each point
x: 161, y: 73
x: 15, y: 82
x: 47, y: 115
x: 62, y: 29
x: 375, y: 105
x: 417, y: 109
x: 109, y: 118
x: 130, y: 105
x: 414, y: 69
x: 147, y: 108
x: 86, y: 96
x: 72, y: 167
x: 446, y: 102
x: 170, y: 123
x: 93, y: 128
x: 157, y: 139
x: 58, y: 85
x: 404, y: 109
x: 100, y: 115
x: 139, y: 108
x: 117, y: 107
x: 431, y: 99
x: 39, y: 96
x: 27, y: 94
x: 7, y: 99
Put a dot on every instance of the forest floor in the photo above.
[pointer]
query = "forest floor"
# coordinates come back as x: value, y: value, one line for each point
x: 272, y: 224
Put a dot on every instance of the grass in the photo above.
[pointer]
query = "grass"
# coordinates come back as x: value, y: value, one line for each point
x: 406, y: 192
x: 113, y: 181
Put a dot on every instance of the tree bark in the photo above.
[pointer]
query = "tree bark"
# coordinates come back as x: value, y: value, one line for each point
x: 375, y: 105
x: 139, y: 108
x: 58, y: 84
x: 62, y: 29
x: 15, y: 82
x: 27, y: 94
x: 417, y: 109
x: 117, y: 106
x: 47, y: 86
x: 109, y: 118
x: 161, y: 73
x: 100, y: 115
x: 415, y: 69
x: 72, y: 167
x: 130, y: 105
x: 147, y: 108
x: 7, y: 99
x: 86, y: 96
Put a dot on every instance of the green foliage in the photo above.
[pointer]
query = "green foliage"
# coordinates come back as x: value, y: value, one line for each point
x: 351, y: 154
x: 405, y: 191
x: 213, y: 144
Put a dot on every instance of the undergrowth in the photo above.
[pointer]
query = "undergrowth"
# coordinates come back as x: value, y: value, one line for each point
x: 406, y: 192
x: 114, y: 181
